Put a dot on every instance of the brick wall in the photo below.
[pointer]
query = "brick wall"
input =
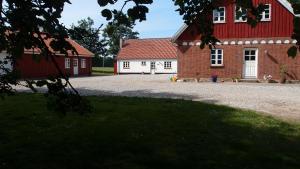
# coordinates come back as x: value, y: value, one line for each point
x: 194, y: 62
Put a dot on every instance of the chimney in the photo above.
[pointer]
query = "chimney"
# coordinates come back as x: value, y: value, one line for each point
x: 121, y: 43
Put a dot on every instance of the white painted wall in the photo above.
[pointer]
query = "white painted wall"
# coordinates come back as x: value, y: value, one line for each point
x: 137, y: 67
x: 2, y: 58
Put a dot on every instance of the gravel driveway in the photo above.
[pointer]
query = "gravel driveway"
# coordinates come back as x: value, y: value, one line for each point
x: 275, y: 99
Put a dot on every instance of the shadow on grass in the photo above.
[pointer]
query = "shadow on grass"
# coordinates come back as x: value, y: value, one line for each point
x: 130, y: 133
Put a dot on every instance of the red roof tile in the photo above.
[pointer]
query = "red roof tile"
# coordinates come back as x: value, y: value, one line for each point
x: 148, y: 49
x: 83, y: 52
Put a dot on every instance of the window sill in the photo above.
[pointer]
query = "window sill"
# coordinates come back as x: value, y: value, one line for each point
x: 217, y: 22
x: 265, y: 20
x: 236, y: 21
x: 216, y: 66
x: 126, y: 68
x: 167, y: 68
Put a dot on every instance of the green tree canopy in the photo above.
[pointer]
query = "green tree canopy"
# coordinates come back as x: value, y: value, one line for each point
x: 113, y: 33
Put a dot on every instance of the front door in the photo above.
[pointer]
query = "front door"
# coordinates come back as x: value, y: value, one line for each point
x: 75, y: 66
x: 152, y: 67
x: 250, y: 63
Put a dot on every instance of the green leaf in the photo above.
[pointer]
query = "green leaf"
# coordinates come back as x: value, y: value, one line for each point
x: 107, y: 14
x: 292, y: 52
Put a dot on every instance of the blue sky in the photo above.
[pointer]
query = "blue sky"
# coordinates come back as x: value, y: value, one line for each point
x: 162, y: 20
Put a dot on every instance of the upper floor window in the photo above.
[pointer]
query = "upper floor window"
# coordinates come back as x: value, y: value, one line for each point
x: 168, y: 65
x: 83, y: 63
x: 216, y: 57
x: 144, y: 63
x: 266, y: 15
x: 219, y: 15
x: 240, y: 14
x: 67, y: 63
x: 126, y: 65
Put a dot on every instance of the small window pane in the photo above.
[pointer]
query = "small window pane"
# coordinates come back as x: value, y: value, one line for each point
x: 247, y: 58
x: 253, y: 58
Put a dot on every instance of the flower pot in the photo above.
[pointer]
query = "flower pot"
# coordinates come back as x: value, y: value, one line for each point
x: 214, y: 79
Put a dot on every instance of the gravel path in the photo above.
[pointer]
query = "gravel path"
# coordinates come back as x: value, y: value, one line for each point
x: 274, y: 99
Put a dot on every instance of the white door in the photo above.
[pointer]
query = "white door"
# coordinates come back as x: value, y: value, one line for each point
x: 75, y: 66
x: 250, y: 63
x: 152, y: 67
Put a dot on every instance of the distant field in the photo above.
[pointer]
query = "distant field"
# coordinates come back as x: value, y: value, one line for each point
x: 102, y: 71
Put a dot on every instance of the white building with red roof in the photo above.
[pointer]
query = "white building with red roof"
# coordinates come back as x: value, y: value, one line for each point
x: 149, y: 56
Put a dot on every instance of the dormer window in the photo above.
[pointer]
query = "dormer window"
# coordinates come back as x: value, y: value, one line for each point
x: 266, y: 15
x: 240, y: 14
x: 219, y: 15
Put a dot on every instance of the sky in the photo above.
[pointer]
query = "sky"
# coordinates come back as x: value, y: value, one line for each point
x: 162, y: 20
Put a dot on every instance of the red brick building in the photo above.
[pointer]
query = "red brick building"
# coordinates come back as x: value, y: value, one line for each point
x: 244, y: 52
x: 74, y: 65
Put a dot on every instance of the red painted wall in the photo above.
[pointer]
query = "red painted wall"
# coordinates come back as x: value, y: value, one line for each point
x: 281, y: 25
x: 29, y: 68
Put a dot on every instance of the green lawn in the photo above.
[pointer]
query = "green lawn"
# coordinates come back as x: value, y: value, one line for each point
x: 136, y: 133
x: 102, y: 71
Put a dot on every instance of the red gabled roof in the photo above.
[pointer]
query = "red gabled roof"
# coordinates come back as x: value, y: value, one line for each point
x: 159, y: 48
x: 83, y: 52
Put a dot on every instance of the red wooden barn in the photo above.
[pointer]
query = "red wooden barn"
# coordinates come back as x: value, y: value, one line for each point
x: 74, y: 65
x: 244, y: 52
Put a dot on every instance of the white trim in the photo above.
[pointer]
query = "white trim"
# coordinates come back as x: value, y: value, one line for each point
x: 232, y: 43
x: 278, y: 42
x: 217, y: 57
x: 216, y: 11
x: 254, y: 42
x: 218, y: 43
x: 287, y: 5
x: 240, y: 18
x: 263, y: 19
x: 180, y: 31
x: 184, y: 43
x: 240, y: 42
x: 225, y: 43
x: 270, y: 42
x: 263, y: 42
x: 247, y: 42
x: 198, y: 43
x: 244, y: 65
x: 191, y: 43
x: 294, y: 41
x: 286, y: 41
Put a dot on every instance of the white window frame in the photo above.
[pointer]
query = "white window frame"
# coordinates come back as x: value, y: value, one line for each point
x: 83, y: 63
x: 215, y: 53
x: 67, y: 63
x: 144, y: 63
x: 241, y: 18
x: 264, y: 13
x: 126, y: 65
x: 167, y: 65
x: 217, y: 14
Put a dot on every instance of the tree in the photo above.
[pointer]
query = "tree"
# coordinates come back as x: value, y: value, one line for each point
x: 88, y: 36
x: 115, y: 32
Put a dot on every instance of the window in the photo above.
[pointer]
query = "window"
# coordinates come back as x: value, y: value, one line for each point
x: 126, y: 65
x: 143, y: 63
x: 219, y: 15
x: 168, y: 65
x: 67, y: 63
x: 266, y: 15
x: 240, y: 14
x: 250, y: 54
x: 216, y: 57
x: 83, y: 63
